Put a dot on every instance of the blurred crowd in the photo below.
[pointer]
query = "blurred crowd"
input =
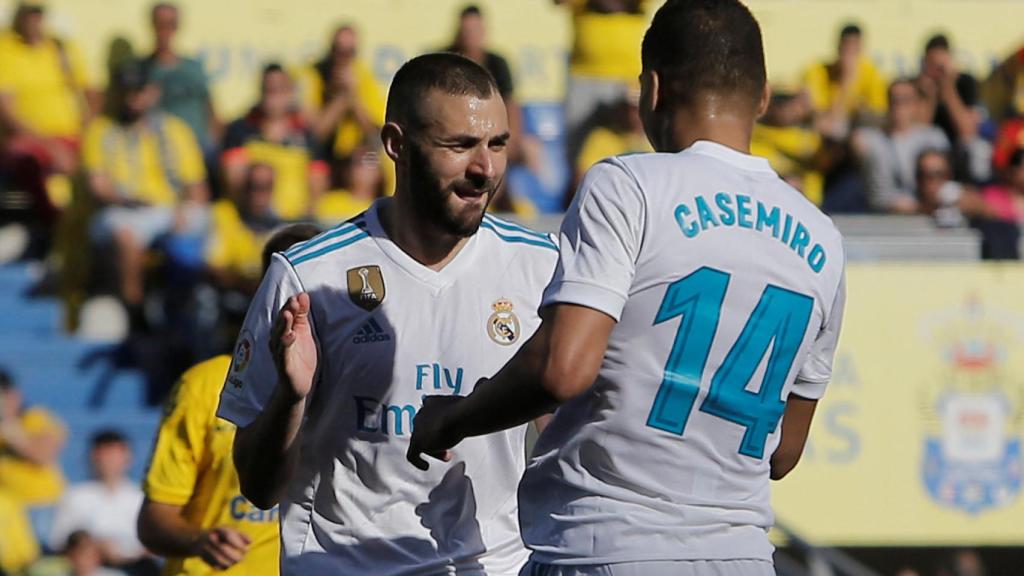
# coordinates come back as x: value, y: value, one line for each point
x: 141, y: 192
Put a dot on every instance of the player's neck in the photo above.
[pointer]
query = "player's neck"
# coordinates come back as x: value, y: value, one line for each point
x: 720, y: 125
x: 423, y: 241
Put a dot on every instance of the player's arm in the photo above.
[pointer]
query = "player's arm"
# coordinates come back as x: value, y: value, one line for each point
x: 266, y: 451
x: 557, y: 364
x: 164, y: 531
x: 809, y: 387
x: 796, y: 423
x: 600, y: 239
x: 180, y: 448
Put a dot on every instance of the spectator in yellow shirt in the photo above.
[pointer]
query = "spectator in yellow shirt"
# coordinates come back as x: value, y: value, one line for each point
x: 619, y: 132
x: 347, y: 103
x: 44, y: 102
x: 849, y: 90
x: 362, y: 182
x: 146, y: 170
x: 238, y: 230
x: 785, y: 136
x: 18, y: 548
x: 274, y: 132
x: 194, y: 512
x: 604, y: 63
x: 30, y: 443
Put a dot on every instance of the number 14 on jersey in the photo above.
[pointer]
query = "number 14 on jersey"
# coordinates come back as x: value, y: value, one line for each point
x: 778, y: 321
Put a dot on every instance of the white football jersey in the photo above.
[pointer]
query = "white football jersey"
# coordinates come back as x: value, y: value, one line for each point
x: 727, y: 285
x: 390, y: 331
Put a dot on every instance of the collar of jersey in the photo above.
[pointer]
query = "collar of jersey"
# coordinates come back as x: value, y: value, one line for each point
x: 438, y: 279
x: 730, y: 156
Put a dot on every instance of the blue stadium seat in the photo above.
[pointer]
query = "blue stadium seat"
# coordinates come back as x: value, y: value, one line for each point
x: 81, y: 382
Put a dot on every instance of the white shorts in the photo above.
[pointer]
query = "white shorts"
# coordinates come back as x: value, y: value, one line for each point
x: 656, y: 568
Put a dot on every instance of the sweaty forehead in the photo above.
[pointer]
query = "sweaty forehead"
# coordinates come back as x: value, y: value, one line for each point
x: 448, y: 114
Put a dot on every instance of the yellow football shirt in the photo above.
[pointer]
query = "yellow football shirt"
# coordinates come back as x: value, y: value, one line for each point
x: 603, y: 143
x: 791, y: 150
x: 44, y: 87
x: 192, y: 468
x: 870, y: 91
x: 29, y: 483
x: 18, y: 546
x: 349, y: 135
x: 606, y: 46
x: 233, y: 245
x: 149, y: 162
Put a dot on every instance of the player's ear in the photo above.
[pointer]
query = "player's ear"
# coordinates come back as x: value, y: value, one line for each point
x: 766, y: 97
x: 393, y: 138
x: 649, y: 85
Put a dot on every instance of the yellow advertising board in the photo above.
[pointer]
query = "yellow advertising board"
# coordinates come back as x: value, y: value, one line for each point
x: 235, y: 37
x: 918, y: 440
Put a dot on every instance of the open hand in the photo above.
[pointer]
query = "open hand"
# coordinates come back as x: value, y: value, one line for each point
x: 293, y: 347
x: 222, y: 547
x: 431, y: 434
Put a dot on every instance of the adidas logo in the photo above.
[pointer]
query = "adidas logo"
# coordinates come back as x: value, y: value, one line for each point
x: 371, y: 332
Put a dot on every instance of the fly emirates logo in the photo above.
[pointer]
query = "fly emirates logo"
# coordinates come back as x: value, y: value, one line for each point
x: 376, y: 416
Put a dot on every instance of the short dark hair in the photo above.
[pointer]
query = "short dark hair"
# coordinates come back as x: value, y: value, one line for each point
x: 904, y: 80
x: 471, y: 10
x: 1017, y: 158
x: 850, y: 29
x: 106, y: 437
x: 444, y: 71
x: 286, y: 237
x: 939, y: 41
x: 270, y: 68
x: 76, y: 539
x: 6, y: 381
x: 162, y: 6
x: 706, y: 46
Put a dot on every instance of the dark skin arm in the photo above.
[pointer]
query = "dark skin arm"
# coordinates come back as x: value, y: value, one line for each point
x: 559, y: 363
x: 163, y: 530
x: 796, y: 423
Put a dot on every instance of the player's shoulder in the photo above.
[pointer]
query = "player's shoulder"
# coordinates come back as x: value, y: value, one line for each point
x: 202, y: 383
x: 342, y: 242
x: 518, y: 240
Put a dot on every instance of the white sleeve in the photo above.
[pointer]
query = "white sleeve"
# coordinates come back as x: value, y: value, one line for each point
x: 252, y: 376
x: 599, y: 242
x: 65, y: 520
x: 816, y: 372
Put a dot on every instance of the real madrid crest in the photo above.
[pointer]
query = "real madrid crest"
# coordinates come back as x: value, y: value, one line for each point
x: 366, y: 286
x: 503, y: 324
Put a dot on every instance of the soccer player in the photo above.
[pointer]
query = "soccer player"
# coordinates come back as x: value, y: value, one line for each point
x: 421, y: 294
x: 194, y: 512
x: 696, y: 305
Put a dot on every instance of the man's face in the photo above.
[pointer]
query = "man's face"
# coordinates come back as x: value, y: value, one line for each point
x: 849, y: 48
x: 932, y: 172
x: 138, y: 101
x: 1017, y: 176
x: 471, y: 32
x: 31, y: 24
x: 111, y: 460
x: 903, y: 104
x: 346, y: 45
x: 165, y: 25
x: 936, y: 62
x: 260, y: 189
x: 278, y: 93
x: 456, y: 158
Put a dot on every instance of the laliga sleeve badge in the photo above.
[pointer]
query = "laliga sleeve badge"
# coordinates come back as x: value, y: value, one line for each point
x: 240, y: 361
x: 366, y: 287
x: 503, y: 324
